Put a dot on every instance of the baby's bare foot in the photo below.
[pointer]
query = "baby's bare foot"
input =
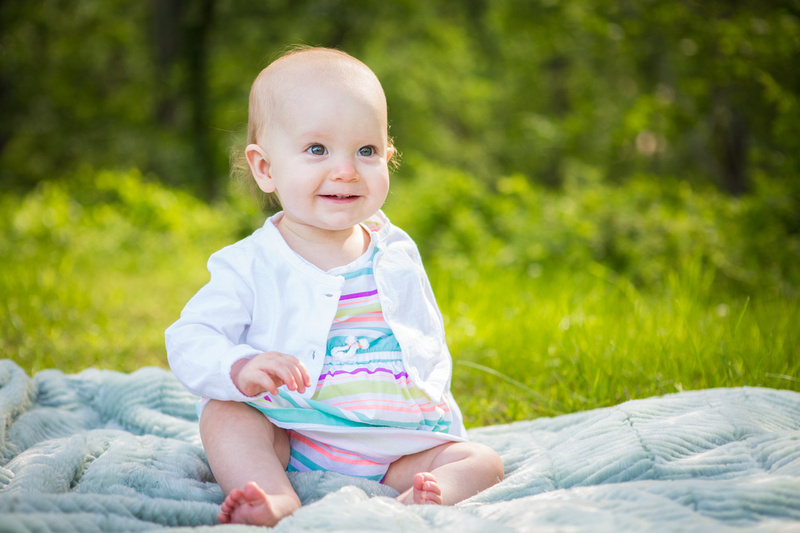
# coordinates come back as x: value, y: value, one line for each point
x: 426, y: 490
x: 253, y: 506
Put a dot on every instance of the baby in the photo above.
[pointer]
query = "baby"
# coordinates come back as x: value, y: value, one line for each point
x: 317, y: 343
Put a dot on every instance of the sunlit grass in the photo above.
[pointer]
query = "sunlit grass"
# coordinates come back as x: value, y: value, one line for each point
x: 92, y: 277
x: 565, y: 342
x: 95, y: 284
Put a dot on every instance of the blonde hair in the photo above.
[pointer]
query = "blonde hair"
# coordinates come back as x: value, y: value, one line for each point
x: 263, y: 105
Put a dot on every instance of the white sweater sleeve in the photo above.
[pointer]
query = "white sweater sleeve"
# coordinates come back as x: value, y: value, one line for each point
x: 209, y: 336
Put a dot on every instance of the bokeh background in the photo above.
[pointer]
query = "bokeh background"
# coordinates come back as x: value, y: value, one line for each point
x: 606, y: 193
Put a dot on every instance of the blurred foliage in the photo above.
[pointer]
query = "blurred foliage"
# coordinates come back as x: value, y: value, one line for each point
x: 630, y: 168
x: 95, y: 267
x: 644, y: 231
x: 705, y: 92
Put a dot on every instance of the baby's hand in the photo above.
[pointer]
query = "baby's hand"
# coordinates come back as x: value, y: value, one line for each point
x: 268, y: 371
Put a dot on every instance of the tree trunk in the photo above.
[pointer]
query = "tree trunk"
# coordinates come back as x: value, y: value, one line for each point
x: 197, y: 34
x: 181, y: 31
x: 730, y: 131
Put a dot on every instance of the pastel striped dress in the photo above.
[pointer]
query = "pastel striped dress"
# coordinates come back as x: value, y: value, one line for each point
x: 366, y: 412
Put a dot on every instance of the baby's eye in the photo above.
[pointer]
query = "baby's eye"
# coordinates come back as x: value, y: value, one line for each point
x: 366, y: 151
x: 317, y: 149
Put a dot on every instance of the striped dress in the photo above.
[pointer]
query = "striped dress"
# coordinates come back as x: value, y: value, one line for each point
x: 366, y: 412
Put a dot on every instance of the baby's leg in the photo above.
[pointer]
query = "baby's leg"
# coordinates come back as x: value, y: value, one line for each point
x: 445, y: 474
x: 248, y: 456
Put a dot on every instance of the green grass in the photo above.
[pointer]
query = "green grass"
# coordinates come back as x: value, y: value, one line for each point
x: 94, y: 272
x: 568, y: 341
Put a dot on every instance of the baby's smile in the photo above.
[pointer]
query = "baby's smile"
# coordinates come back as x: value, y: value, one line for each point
x: 340, y: 196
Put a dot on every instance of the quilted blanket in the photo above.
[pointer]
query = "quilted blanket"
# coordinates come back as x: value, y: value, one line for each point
x: 106, y: 451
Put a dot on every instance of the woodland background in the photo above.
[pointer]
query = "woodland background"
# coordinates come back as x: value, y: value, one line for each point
x: 606, y: 193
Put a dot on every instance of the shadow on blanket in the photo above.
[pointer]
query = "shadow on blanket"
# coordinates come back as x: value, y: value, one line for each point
x: 105, y: 451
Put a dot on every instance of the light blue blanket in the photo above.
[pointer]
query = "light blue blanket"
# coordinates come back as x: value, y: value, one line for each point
x: 105, y: 451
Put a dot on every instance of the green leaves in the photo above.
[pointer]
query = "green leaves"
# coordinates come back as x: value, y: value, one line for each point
x: 701, y: 92
x: 644, y: 231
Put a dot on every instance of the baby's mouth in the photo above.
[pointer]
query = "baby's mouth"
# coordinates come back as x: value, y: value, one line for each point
x: 339, y: 196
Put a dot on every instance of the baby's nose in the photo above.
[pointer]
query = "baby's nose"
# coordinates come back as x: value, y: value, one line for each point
x: 345, y: 170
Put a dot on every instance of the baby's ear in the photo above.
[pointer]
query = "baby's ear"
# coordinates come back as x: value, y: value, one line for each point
x: 389, y: 153
x: 259, y: 166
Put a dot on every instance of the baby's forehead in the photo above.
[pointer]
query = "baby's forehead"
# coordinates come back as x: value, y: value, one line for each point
x: 305, y: 77
x: 318, y: 69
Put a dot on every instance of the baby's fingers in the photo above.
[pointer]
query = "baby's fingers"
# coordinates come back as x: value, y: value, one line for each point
x: 270, y: 370
x: 265, y: 380
x: 301, y: 377
x: 288, y: 370
x: 294, y: 376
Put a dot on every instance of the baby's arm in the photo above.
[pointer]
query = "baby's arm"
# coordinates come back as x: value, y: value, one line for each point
x: 208, y: 338
x: 268, y: 371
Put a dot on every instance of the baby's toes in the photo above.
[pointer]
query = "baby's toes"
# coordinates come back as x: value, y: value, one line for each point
x: 426, y: 489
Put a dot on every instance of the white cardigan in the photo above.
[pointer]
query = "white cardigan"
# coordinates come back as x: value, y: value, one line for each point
x: 263, y: 297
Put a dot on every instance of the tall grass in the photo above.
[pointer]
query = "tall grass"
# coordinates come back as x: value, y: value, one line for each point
x: 566, y: 341
x: 545, y: 314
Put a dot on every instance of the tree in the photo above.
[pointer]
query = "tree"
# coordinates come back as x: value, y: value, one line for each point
x: 704, y: 91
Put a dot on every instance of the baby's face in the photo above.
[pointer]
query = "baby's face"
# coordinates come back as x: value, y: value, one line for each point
x: 328, y: 151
